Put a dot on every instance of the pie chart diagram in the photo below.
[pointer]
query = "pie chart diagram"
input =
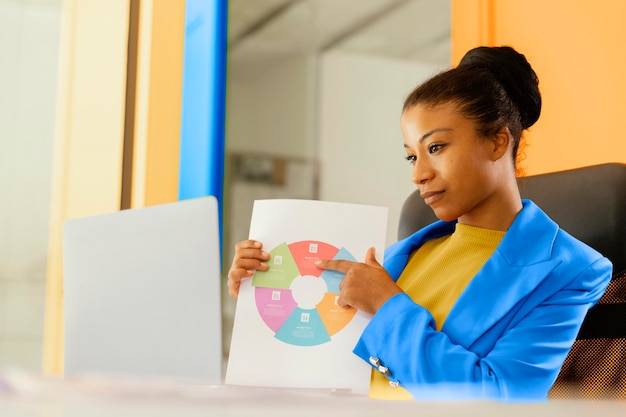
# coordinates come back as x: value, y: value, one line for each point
x: 296, y: 299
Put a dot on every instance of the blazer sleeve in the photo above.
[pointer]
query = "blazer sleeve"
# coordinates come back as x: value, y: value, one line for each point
x: 517, y: 359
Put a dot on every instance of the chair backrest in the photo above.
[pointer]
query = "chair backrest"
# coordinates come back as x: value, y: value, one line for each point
x: 589, y: 203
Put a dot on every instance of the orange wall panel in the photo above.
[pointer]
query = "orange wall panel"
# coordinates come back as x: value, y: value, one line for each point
x: 159, y: 99
x: 574, y: 46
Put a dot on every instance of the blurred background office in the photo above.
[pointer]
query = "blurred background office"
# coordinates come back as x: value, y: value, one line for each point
x: 314, y: 90
x: 298, y: 71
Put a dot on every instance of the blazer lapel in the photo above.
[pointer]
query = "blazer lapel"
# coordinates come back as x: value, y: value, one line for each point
x: 491, y: 295
x: 519, y: 265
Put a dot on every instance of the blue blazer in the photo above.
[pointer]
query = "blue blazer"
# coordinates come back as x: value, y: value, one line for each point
x: 509, y: 332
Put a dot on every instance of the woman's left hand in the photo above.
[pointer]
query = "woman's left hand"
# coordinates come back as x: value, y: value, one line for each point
x: 366, y: 286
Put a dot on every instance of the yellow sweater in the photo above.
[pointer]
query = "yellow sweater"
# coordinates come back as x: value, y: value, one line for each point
x: 435, y: 276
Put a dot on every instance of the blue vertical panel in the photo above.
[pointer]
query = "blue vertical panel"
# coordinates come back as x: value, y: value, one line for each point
x: 203, y: 101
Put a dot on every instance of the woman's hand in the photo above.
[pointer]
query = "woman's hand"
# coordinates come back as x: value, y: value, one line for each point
x: 366, y: 286
x: 248, y: 258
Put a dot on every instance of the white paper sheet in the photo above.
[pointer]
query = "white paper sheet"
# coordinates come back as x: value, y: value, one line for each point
x: 288, y: 331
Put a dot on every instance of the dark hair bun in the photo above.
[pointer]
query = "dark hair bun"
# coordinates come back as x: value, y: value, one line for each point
x: 515, y: 75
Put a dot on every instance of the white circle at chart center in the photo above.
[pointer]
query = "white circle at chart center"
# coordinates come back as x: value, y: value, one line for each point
x: 308, y: 291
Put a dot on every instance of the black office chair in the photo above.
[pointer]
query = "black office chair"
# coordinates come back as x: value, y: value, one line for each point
x: 590, y: 204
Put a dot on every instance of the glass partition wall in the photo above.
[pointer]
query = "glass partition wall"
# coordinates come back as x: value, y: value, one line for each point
x: 314, y: 93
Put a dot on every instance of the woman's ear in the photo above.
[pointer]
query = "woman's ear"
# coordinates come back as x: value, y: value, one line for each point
x: 502, y: 142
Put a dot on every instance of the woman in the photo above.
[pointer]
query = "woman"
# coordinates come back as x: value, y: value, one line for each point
x: 486, y: 302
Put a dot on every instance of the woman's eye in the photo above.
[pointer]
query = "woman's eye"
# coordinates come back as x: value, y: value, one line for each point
x: 411, y: 159
x: 434, y: 147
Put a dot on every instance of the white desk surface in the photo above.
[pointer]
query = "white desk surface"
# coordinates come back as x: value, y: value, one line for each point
x: 26, y: 395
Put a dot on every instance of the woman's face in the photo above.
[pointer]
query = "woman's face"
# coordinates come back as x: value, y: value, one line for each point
x: 455, y: 169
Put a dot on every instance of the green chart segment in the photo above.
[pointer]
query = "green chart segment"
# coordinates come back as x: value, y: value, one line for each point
x: 296, y: 299
x: 283, y: 269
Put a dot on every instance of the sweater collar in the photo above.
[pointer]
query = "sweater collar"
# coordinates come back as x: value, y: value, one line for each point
x: 530, y: 225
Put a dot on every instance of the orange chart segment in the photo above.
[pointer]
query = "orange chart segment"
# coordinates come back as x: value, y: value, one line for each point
x: 333, y: 316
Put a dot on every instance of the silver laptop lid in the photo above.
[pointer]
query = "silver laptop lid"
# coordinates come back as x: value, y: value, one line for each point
x: 142, y: 292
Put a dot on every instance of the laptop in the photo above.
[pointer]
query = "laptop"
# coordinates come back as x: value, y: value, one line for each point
x: 142, y: 293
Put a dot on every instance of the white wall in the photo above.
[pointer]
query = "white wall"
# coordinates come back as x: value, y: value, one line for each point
x: 360, y: 146
x: 29, y: 40
x: 273, y: 110
x: 340, y: 110
x: 270, y: 113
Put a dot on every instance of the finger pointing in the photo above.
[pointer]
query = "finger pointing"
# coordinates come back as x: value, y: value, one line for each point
x: 340, y: 265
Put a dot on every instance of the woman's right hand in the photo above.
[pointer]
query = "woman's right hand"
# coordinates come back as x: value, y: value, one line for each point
x: 249, y: 257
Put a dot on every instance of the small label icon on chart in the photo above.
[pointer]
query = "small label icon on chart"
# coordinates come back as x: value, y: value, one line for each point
x: 275, y: 295
x: 278, y: 260
x: 304, y: 317
x: 313, y: 248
